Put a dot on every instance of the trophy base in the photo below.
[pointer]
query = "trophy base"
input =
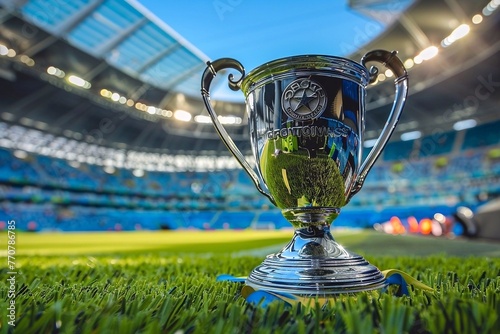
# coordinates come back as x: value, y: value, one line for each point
x: 313, y: 264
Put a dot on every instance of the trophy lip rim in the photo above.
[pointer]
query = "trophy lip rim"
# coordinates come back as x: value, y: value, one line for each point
x: 306, y: 55
x: 310, y: 55
x: 364, y: 73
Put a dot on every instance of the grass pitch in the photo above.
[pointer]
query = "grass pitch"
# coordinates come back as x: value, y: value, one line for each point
x: 164, y: 282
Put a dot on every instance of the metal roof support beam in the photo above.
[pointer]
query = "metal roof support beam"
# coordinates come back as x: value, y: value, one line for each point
x: 37, y: 98
x: 5, y: 15
x: 72, y: 117
x: 42, y: 45
x: 12, y: 4
x: 96, y: 71
x: 159, y: 56
x: 165, y: 101
x: 183, y: 76
x: 72, y: 21
x: 433, y: 80
x: 116, y: 40
x: 35, y: 110
x: 136, y: 94
x: 144, y: 135
x: 457, y: 10
x: 414, y: 30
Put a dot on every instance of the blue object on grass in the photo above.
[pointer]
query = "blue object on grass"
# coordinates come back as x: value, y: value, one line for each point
x: 264, y: 298
x: 230, y: 278
x: 399, y: 280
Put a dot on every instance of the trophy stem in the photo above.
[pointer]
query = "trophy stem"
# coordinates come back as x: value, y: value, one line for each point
x: 313, y: 263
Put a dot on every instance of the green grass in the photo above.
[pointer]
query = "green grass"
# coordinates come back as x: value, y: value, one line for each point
x: 165, y: 283
x: 147, y: 242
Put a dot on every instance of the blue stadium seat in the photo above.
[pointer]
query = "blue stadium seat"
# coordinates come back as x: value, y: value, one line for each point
x: 46, y: 193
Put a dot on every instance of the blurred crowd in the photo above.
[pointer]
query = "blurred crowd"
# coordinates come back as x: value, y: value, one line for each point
x: 47, y: 193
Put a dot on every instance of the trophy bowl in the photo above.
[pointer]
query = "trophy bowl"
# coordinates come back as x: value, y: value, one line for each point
x: 306, y: 119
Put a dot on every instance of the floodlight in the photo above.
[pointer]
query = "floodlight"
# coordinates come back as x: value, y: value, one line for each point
x: 464, y: 124
x: 412, y: 135
x: 80, y: 82
x: 182, y: 115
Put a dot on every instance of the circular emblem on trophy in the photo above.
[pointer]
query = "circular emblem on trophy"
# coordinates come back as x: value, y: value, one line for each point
x: 303, y: 99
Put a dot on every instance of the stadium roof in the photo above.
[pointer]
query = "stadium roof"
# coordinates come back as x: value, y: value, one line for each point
x: 124, y: 34
x: 131, y: 85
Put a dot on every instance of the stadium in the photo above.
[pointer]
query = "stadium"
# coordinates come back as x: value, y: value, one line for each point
x: 120, y: 205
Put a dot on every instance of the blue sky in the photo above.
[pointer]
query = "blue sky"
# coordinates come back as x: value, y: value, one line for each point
x: 257, y: 31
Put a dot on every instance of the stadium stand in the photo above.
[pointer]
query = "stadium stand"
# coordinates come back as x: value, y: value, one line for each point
x: 50, y: 193
x: 398, y: 150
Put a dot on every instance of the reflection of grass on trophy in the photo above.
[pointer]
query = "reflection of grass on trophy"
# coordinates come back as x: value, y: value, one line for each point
x: 295, y: 180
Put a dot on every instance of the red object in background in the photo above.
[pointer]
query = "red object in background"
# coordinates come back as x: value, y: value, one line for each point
x: 397, y: 226
x: 413, y: 224
x: 32, y: 225
x: 425, y: 226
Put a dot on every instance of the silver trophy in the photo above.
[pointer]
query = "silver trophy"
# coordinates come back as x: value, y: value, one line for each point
x: 306, y: 117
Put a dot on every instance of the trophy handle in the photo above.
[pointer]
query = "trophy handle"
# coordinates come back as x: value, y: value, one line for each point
x: 208, y: 75
x: 392, y: 62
